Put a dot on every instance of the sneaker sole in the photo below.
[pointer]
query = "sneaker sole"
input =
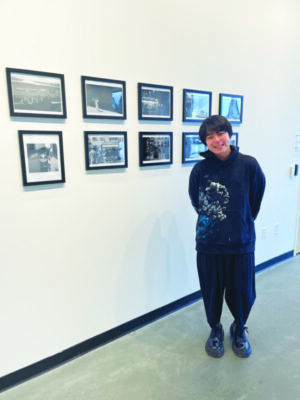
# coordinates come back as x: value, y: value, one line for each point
x: 240, y: 354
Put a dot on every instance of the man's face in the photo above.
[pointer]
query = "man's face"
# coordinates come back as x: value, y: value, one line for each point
x: 218, y: 143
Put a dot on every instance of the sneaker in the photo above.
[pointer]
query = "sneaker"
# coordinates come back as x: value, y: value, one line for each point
x: 214, y: 344
x: 240, y: 345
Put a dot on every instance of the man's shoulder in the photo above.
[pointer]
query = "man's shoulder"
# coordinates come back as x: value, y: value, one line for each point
x: 247, y: 159
x: 197, y: 167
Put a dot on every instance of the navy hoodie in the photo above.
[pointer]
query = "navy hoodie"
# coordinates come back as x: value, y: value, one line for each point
x: 227, y: 196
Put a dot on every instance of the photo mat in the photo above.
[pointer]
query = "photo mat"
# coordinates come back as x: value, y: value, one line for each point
x: 155, y: 102
x: 231, y: 107
x: 196, y: 105
x: 103, y: 98
x: 42, y: 158
x: 105, y: 150
x: 155, y: 148
x: 192, y: 147
x: 36, y: 94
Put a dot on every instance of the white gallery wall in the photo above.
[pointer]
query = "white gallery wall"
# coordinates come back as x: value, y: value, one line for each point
x: 108, y: 246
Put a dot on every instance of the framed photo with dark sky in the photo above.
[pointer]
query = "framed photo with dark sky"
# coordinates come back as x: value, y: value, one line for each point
x: 155, y: 102
x: 36, y: 94
x: 103, y: 98
x: 192, y: 147
x: 231, y: 107
x: 42, y: 158
x: 155, y: 148
x: 196, y: 105
x: 105, y: 150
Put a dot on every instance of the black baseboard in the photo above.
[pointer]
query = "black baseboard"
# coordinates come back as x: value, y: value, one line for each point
x: 40, y: 367
x: 274, y: 261
x: 33, y: 370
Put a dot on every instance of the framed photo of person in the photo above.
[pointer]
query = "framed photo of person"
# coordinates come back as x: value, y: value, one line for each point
x: 155, y: 102
x: 234, y: 140
x: 103, y: 98
x: 155, y: 148
x: 36, y: 94
x: 42, y: 158
x: 105, y: 150
x: 196, y: 105
x: 192, y: 147
x: 231, y: 107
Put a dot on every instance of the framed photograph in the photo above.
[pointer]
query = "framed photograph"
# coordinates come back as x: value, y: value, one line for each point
x: 192, y: 147
x: 103, y: 98
x: 155, y: 102
x: 196, y: 105
x: 231, y: 107
x: 234, y: 140
x: 156, y: 148
x: 105, y: 150
x: 42, y: 157
x: 36, y: 94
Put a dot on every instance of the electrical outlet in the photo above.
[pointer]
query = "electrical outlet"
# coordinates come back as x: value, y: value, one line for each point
x: 276, y: 229
x: 263, y: 233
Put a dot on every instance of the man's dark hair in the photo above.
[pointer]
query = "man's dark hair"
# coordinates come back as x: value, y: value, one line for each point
x: 214, y: 123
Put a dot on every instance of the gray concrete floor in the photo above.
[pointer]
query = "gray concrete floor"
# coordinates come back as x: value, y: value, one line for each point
x: 166, y: 360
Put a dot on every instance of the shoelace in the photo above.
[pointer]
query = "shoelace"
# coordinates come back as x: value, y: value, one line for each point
x: 242, y: 340
x: 245, y: 329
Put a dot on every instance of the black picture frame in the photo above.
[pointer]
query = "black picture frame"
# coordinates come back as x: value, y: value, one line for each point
x: 196, y: 105
x: 104, y: 150
x: 155, y: 148
x: 231, y: 107
x: 103, y: 98
x: 155, y: 102
x: 234, y: 140
x: 191, y: 147
x: 42, y: 157
x: 36, y: 93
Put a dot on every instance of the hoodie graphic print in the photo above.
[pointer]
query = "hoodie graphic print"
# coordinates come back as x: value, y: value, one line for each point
x: 212, y: 208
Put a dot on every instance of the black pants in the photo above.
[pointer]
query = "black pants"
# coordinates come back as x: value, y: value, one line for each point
x: 229, y: 274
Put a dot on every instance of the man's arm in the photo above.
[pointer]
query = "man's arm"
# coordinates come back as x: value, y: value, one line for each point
x: 257, y: 189
x: 194, y: 189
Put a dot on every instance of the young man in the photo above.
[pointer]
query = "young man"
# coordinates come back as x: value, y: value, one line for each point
x: 226, y: 189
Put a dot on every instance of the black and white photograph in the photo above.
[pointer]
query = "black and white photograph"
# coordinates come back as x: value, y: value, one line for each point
x: 156, y: 148
x: 234, y: 140
x: 231, y: 107
x: 103, y: 98
x: 192, y: 147
x: 42, y: 158
x: 36, y: 94
x: 196, y: 105
x: 105, y: 150
x: 155, y: 102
